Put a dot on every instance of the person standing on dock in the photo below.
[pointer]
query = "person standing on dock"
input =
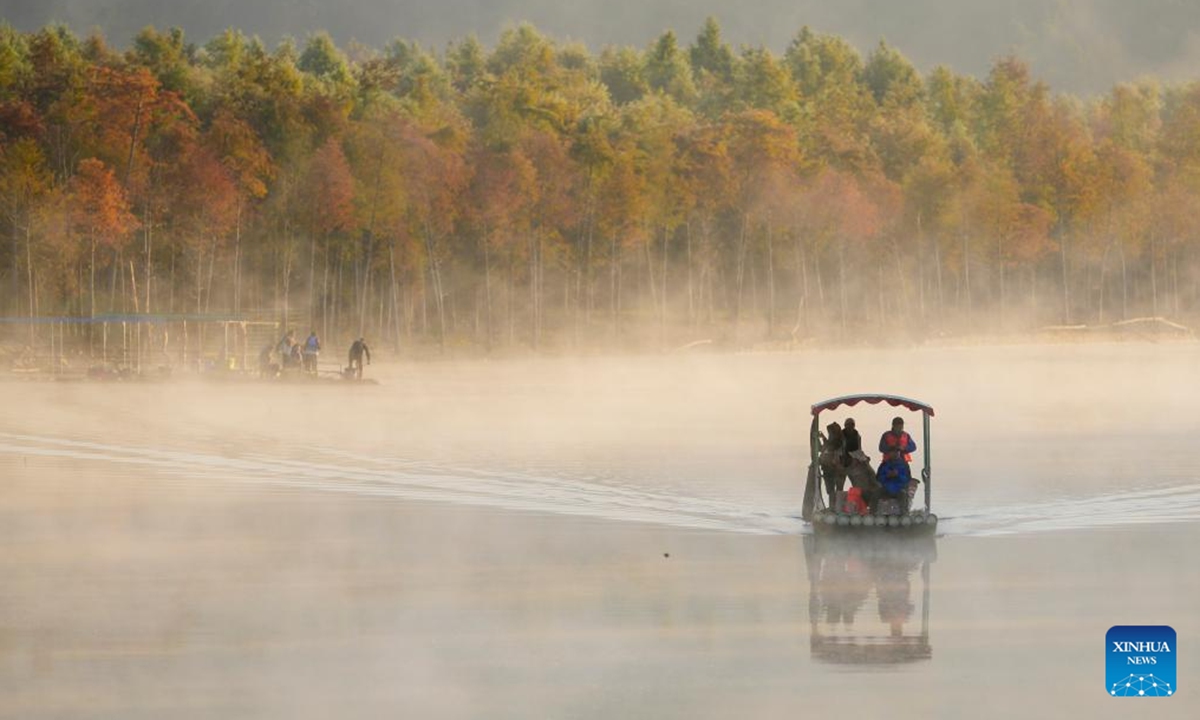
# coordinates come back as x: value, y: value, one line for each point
x: 285, y: 349
x: 357, y: 351
x: 266, y: 368
x: 312, y: 350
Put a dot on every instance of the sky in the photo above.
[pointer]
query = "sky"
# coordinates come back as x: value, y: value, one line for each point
x: 1078, y: 46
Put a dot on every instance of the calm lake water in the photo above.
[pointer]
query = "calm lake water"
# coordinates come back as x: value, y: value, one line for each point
x: 594, y: 538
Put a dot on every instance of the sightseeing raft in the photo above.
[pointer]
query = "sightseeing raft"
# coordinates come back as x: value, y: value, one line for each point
x: 905, y: 515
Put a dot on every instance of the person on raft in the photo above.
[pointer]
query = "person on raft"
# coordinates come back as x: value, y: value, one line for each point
x: 894, y: 474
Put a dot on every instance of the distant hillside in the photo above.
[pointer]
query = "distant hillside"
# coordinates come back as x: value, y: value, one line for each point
x: 1080, y: 46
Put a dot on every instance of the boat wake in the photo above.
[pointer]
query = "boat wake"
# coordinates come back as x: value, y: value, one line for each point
x: 410, y: 480
x: 401, y: 478
x: 1161, y: 505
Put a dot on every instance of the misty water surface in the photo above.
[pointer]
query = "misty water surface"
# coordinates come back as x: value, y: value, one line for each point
x: 587, y: 538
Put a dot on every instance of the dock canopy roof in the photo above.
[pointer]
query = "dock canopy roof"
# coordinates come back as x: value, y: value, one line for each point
x: 852, y: 400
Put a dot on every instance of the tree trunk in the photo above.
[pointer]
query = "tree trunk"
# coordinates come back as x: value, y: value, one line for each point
x: 509, y: 296
x: 820, y: 284
x: 336, y: 301
x: 615, y: 292
x: 710, y: 305
x: 646, y: 253
x: 941, y: 296
x: 741, y: 273
x: 92, y: 281
x: 29, y: 274
x: 752, y: 268
x: 424, y: 306
x: 842, y: 288
x: 149, y: 273
x: 588, y: 298
x: 883, y: 319
x: 966, y: 244
x: 439, y: 299
x: 533, y: 289
x: 687, y: 231
x: 1066, y: 286
x: 212, y: 264
x: 312, y: 272
x: 566, y: 306
x: 802, y: 262
x: 113, y: 266
x: 133, y: 285
x: 326, y: 330
x: 199, y: 279
x: 1087, y: 288
x: 1033, y: 301
x: 1124, y: 284
x: 395, y: 298
x: 1175, y: 284
x: 1103, y: 280
x: 286, y: 281
x: 370, y: 245
x: 920, y: 270
x: 237, y: 259
x: 770, y: 281
x: 14, y: 304
x: 1000, y: 271
x: 1154, y: 275
x: 538, y: 290
x: 117, y: 287
x: 487, y: 294
x: 663, y: 318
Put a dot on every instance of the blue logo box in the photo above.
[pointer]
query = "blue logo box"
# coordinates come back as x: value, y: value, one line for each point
x: 1140, y: 661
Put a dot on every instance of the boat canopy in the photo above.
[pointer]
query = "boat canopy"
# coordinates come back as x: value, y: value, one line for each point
x: 852, y: 400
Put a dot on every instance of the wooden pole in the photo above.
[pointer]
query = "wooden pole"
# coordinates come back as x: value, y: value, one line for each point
x: 928, y: 473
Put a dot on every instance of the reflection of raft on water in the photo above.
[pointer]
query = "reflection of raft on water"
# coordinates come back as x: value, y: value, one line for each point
x: 844, y: 572
x: 890, y: 515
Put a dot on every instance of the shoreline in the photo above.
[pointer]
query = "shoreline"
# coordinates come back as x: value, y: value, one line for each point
x: 1148, y: 330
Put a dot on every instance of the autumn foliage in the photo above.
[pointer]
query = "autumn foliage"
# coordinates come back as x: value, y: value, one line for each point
x: 536, y: 195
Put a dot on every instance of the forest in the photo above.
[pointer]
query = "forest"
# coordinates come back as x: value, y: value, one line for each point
x: 537, y: 196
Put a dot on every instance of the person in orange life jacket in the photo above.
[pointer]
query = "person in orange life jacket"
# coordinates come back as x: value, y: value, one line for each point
x: 895, y: 445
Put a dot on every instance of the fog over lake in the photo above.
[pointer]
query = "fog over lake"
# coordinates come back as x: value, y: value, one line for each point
x: 593, y: 538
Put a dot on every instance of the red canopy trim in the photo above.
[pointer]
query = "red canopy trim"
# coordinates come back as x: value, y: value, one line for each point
x: 852, y: 400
